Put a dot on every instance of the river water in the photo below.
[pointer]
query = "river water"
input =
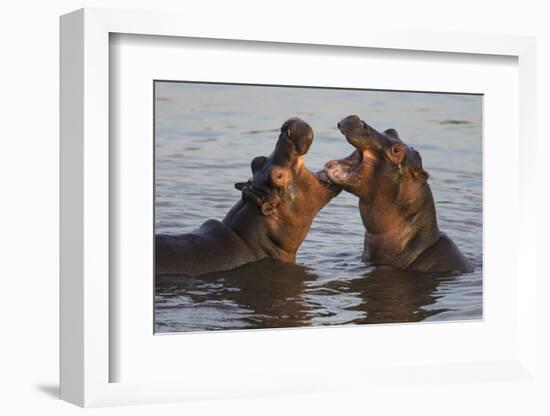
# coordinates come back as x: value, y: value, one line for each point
x: 205, y: 137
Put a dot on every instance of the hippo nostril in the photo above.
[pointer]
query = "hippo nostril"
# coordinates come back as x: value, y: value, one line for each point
x: 339, y: 125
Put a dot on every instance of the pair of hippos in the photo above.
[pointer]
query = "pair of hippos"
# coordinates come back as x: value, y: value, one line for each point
x: 283, y: 197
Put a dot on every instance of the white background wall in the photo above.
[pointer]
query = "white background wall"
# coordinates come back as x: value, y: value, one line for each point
x: 29, y: 206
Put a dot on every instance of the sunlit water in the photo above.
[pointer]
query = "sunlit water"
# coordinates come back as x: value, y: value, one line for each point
x: 205, y: 138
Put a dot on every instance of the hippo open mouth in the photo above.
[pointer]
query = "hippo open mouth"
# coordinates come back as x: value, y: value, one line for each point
x: 342, y: 170
x: 368, y: 144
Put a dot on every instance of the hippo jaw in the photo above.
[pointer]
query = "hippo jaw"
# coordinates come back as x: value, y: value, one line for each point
x: 372, y: 149
x: 349, y: 170
x: 342, y: 171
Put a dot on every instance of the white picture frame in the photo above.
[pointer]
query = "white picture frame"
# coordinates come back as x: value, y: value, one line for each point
x: 86, y: 305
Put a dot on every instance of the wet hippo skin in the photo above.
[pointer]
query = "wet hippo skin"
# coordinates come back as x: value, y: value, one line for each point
x: 271, y: 219
x: 395, y: 202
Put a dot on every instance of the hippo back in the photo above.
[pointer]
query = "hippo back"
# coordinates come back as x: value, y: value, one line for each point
x: 444, y: 256
x: 212, y: 247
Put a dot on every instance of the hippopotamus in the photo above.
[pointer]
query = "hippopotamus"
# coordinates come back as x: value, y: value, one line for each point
x: 272, y: 218
x: 395, y: 201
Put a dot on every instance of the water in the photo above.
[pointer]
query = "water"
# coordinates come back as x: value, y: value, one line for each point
x: 205, y: 137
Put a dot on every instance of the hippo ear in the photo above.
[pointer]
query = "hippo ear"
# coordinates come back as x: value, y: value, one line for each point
x: 257, y: 163
x: 418, y: 174
x: 240, y: 185
x: 269, y: 207
x: 391, y: 133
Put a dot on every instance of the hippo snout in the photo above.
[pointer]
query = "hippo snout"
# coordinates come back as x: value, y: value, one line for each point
x: 349, y: 122
x: 351, y: 119
x: 299, y: 133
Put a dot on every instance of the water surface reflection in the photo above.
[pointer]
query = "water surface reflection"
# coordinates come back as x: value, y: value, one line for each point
x: 273, y: 294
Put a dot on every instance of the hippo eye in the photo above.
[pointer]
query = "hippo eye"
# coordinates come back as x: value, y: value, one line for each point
x: 396, y: 150
x: 279, y: 177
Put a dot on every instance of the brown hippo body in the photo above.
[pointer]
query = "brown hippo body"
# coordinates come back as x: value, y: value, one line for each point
x: 271, y: 220
x: 443, y: 256
x: 395, y: 202
x: 198, y: 252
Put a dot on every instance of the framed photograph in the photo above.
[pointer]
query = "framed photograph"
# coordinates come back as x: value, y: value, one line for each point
x: 309, y: 204
x: 307, y: 262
